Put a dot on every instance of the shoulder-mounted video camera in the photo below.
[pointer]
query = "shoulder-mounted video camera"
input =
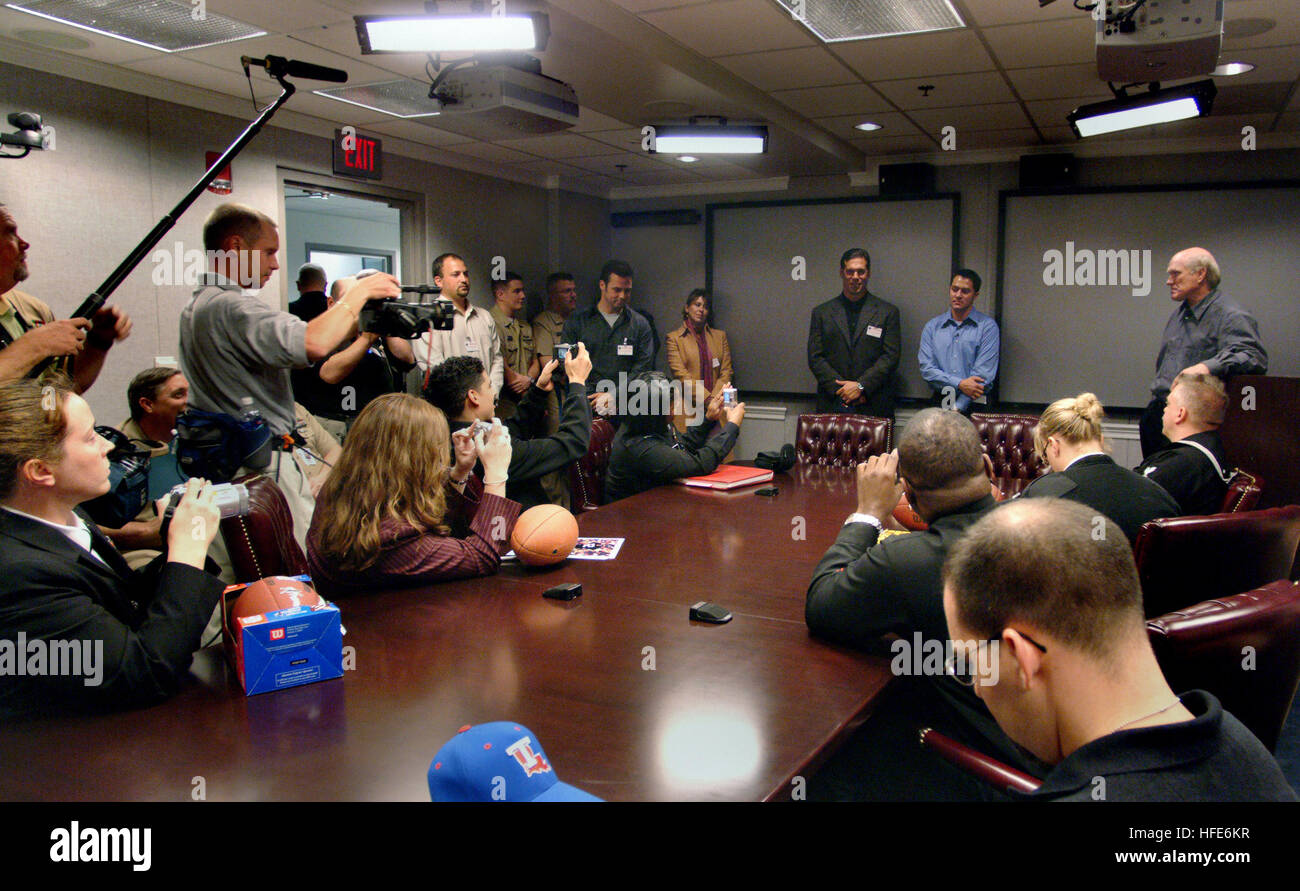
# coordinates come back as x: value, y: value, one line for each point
x: 398, y: 318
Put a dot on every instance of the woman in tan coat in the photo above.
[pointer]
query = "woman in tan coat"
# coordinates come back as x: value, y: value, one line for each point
x: 698, y: 355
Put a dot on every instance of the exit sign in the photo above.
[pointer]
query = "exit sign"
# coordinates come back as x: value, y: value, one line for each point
x: 362, y: 157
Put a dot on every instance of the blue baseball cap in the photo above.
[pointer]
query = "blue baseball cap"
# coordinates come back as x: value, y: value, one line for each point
x: 501, y: 761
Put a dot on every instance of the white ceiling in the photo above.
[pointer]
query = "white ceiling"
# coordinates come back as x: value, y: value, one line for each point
x: 1005, y: 82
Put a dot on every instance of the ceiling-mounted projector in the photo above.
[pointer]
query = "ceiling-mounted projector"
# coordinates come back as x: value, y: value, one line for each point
x: 499, y: 101
x: 1158, y: 40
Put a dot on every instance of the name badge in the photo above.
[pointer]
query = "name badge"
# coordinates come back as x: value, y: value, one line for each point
x: 625, y: 349
x: 306, y: 457
x: 471, y: 346
x: 873, y: 331
x: 716, y: 361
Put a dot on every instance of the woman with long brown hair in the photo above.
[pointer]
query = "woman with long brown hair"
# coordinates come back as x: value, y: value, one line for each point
x: 385, y: 516
x: 698, y: 354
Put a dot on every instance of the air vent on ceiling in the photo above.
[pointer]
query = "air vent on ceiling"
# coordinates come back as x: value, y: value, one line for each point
x: 838, y: 20
x: 400, y: 98
x: 163, y: 25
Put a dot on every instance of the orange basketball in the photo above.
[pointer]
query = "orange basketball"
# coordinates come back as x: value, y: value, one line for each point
x: 273, y: 593
x: 544, y: 534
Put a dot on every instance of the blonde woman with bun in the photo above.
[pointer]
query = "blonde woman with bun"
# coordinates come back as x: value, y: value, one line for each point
x: 1069, y: 439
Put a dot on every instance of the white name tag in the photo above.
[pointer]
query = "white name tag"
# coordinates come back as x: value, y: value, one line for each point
x: 873, y: 331
x: 625, y: 349
x: 306, y: 457
x: 471, y: 346
x: 716, y: 361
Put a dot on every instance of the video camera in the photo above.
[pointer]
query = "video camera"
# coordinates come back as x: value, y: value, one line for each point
x: 398, y: 318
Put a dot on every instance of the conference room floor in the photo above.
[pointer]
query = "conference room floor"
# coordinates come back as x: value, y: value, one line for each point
x: 630, y: 699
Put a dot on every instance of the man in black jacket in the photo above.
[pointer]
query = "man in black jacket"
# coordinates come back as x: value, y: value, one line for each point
x: 462, y: 388
x: 870, y: 584
x: 1193, y: 467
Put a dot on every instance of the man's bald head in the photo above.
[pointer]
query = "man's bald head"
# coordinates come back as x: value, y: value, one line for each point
x: 939, y: 449
x: 1193, y: 273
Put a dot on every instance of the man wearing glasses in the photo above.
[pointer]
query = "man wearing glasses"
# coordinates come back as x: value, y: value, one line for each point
x: 871, y: 583
x: 1050, y: 618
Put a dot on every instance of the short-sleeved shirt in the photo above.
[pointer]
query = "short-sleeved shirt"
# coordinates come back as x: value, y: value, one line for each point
x: 233, y: 346
x: 547, y: 326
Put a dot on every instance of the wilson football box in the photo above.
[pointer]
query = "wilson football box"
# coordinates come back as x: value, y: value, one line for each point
x: 278, y: 633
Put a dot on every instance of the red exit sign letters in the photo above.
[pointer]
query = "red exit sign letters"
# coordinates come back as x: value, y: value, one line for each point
x: 357, y: 155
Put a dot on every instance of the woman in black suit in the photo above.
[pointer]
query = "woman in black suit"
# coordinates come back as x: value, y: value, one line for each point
x: 90, y: 633
x: 1069, y: 439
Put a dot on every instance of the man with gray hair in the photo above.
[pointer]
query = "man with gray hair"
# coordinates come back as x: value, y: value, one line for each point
x: 872, y: 583
x: 1066, y: 666
x: 1207, y: 333
x: 1194, y: 468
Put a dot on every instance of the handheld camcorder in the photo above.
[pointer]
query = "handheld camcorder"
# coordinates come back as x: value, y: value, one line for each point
x: 397, y: 318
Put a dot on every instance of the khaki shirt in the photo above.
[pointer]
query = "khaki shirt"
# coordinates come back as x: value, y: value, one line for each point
x: 515, y: 337
x: 33, y: 312
x: 473, y: 334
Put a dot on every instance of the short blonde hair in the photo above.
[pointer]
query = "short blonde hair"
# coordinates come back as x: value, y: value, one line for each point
x: 1074, y: 419
x: 1204, y: 397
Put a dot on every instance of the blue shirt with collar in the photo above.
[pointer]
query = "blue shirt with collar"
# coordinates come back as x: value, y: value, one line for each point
x: 952, y: 351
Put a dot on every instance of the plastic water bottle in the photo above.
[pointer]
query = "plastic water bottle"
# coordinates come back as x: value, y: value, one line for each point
x: 251, y: 415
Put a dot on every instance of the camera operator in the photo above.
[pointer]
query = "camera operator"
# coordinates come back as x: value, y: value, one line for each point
x: 29, y: 333
x: 66, y: 586
x: 233, y: 346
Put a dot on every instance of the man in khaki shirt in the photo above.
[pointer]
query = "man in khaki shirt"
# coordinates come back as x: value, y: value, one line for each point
x: 515, y: 338
x: 473, y: 332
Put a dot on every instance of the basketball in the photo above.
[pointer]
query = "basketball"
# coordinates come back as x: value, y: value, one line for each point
x: 544, y: 534
x: 270, y: 594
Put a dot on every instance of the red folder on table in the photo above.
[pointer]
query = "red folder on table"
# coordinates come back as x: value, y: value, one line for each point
x: 729, y: 476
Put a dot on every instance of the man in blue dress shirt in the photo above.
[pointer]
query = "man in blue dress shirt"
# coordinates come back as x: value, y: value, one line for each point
x: 959, y: 349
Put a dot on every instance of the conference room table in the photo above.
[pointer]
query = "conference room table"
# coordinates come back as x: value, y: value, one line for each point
x: 631, y: 700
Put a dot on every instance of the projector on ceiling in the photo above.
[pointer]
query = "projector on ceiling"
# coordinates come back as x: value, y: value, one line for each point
x: 492, y: 102
x: 1163, y: 40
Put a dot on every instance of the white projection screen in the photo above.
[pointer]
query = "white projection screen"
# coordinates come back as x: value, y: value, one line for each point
x: 1062, y: 337
x: 752, y: 250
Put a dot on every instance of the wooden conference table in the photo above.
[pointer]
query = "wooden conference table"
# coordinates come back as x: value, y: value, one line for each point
x: 729, y: 712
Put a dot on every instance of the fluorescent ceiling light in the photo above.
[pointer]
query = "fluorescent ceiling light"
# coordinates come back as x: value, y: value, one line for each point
x: 834, y: 21
x: 400, y: 98
x: 1144, y: 110
x: 677, y: 139
x: 163, y: 25
x: 1230, y: 69
x: 451, y: 33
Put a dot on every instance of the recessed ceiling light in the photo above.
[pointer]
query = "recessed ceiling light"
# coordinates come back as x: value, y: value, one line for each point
x: 687, y: 159
x: 868, y: 126
x: 1228, y: 69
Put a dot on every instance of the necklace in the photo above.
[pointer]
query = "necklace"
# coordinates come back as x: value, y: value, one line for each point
x: 1144, y: 717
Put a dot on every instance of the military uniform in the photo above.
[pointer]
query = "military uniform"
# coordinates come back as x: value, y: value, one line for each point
x: 515, y: 337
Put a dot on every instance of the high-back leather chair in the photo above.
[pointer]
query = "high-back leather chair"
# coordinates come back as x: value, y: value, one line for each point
x: 841, y: 440
x: 1009, y: 442
x: 1184, y: 560
x: 1245, y: 649
x: 261, y: 543
x: 587, y: 474
x: 1243, y: 492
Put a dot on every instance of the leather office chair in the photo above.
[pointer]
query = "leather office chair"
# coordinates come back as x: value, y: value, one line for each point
x: 261, y: 543
x: 1009, y: 442
x: 1184, y: 560
x: 1203, y: 647
x: 1243, y: 492
x: 979, y: 765
x: 841, y: 440
x: 587, y: 474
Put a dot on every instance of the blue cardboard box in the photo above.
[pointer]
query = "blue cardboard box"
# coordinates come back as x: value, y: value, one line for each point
x: 285, y: 647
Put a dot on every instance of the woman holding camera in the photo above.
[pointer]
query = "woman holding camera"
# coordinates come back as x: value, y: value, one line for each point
x: 647, y: 450
x: 92, y: 634
x: 389, y: 510
x: 698, y: 355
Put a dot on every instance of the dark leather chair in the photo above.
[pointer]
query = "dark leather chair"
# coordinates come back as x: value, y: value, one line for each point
x: 1243, y: 492
x: 1184, y: 560
x: 261, y: 543
x: 587, y: 474
x: 841, y: 440
x: 1205, y: 647
x: 1009, y: 442
x: 979, y: 765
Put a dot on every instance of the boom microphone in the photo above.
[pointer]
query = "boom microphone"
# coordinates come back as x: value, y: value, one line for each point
x: 279, y: 66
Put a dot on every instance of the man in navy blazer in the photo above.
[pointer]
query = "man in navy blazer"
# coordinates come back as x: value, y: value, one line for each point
x: 854, y: 343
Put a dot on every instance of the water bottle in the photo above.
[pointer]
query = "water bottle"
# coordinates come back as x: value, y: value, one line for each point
x: 257, y: 437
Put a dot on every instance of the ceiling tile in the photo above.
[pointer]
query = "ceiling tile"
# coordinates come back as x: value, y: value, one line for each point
x: 1004, y: 116
x: 715, y: 29
x: 589, y: 119
x: 984, y: 87
x: 892, y: 123
x: 416, y: 132
x: 1052, y: 112
x: 560, y: 145
x: 826, y: 101
x: 1251, y: 98
x: 30, y: 29
x: 1047, y: 43
x: 608, y: 165
x: 789, y: 69
x: 976, y: 140
x: 645, y: 5
x: 1058, y: 81
x: 628, y: 139
x: 985, y: 13
x: 495, y: 153
x: 219, y: 80
x: 277, y: 18
x: 915, y: 55
x: 895, y: 145
x: 227, y: 56
x: 1286, y: 28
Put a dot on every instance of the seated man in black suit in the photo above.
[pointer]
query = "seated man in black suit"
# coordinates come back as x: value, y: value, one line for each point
x: 1050, y: 616
x: 1069, y: 438
x: 91, y: 633
x: 462, y: 388
x: 868, y: 585
x: 1193, y: 468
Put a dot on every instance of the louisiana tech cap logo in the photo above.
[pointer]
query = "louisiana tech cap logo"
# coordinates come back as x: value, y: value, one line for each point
x: 501, y: 761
